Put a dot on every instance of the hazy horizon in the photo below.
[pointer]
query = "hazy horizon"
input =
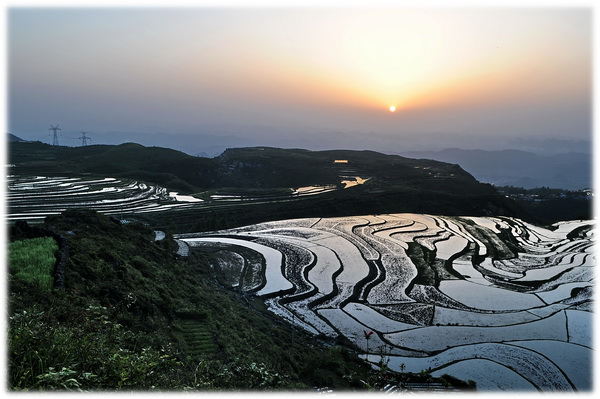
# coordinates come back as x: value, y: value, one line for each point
x: 317, y: 78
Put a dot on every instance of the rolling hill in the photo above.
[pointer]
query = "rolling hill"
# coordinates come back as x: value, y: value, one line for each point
x: 269, y: 177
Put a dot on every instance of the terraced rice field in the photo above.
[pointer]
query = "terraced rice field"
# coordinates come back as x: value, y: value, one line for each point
x: 495, y: 300
x: 35, y: 197
x: 491, y: 299
x: 32, y: 198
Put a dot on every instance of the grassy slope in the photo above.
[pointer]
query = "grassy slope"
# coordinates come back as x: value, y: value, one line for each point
x: 33, y: 260
x: 135, y: 318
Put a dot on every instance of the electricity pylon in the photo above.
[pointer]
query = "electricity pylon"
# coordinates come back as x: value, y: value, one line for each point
x: 55, y: 138
x: 84, y: 139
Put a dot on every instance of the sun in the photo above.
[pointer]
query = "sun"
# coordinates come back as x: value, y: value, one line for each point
x: 392, y: 108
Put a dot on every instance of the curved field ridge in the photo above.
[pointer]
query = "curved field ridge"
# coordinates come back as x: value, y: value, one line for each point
x: 274, y: 279
x: 492, y: 299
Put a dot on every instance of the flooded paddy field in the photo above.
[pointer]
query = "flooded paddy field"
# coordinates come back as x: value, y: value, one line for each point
x: 494, y: 299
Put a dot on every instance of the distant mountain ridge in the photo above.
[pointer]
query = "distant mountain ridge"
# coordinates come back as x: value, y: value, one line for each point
x: 570, y: 171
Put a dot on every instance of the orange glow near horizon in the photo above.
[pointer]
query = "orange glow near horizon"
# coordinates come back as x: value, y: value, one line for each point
x: 412, y: 60
x: 312, y: 67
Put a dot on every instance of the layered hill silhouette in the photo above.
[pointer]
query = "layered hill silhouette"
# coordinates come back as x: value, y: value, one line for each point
x: 389, y: 183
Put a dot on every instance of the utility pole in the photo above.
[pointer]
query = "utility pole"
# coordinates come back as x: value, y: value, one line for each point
x: 55, y: 138
x: 84, y: 139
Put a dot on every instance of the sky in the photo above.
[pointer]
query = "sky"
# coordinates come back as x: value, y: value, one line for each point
x: 312, y: 77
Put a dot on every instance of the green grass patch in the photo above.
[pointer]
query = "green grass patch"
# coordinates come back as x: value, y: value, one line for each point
x: 32, y: 261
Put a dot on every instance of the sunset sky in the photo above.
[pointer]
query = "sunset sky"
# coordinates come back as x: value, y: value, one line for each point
x: 266, y: 74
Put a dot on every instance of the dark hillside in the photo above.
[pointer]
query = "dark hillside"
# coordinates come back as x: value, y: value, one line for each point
x: 12, y: 137
x: 261, y: 167
x: 273, y: 167
x: 156, y: 165
x: 395, y: 184
x: 295, y: 167
x: 391, y: 183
